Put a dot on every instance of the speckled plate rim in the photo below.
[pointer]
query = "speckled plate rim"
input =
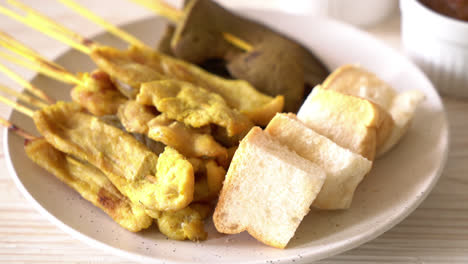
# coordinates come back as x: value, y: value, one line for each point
x: 336, y: 248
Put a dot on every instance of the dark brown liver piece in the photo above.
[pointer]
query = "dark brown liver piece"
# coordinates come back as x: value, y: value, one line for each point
x: 276, y: 64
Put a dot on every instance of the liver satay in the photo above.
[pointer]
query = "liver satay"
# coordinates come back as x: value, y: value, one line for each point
x: 273, y: 63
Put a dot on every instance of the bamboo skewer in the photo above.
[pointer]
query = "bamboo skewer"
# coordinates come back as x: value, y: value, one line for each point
x: 23, y: 97
x: 28, y: 86
x: 106, y: 25
x: 59, y: 75
x: 162, y: 8
x: 16, y: 129
x: 31, y: 60
x: 47, y: 26
x: 10, y: 43
x: 20, y: 108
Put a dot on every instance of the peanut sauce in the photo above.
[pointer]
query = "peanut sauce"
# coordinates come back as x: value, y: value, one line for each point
x: 457, y: 9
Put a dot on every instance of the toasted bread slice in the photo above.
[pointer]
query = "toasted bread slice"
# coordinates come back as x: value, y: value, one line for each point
x: 351, y: 122
x: 354, y: 80
x: 267, y: 191
x: 344, y: 169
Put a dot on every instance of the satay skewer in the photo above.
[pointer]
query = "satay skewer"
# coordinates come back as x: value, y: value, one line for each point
x: 128, y: 212
x: 85, y: 179
x: 258, y: 107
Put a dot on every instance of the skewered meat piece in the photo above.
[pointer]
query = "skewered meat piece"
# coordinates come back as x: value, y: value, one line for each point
x: 90, y: 183
x: 190, y: 142
x: 127, y: 72
x: 94, y: 186
x: 184, y: 224
x: 133, y: 67
x: 158, y: 184
x: 140, y: 64
x: 135, y: 117
x: 209, y: 177
x: 193, y: 105
x: 97, y: 93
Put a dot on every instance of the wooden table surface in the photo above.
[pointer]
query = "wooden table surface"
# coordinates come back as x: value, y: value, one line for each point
x: 436, y: 232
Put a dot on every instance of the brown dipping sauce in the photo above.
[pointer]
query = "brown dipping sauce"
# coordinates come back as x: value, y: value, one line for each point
x: 457, y: 9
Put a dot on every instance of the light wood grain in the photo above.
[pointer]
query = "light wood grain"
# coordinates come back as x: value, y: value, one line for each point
x: 437, y: 232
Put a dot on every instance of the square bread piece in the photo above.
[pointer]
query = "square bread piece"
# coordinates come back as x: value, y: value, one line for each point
x: 351, y: 122
x: 357, y: 81
x: 344, y: 169
x: 267, y: 191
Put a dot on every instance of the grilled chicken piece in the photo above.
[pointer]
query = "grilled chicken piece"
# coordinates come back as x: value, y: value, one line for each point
x: 184, y: 224
x: 209, y: 177
x: 98, y: 94
x: 193, y: 105
x: 90, y: 183
x: 133, y: 67
x: 166, y: 183
x: 190, y: 142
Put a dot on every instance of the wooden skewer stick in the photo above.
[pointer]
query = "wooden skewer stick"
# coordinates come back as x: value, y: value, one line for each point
x: 20, y: 108
x: 57, y: 75
x: 16, y: 129
x: 162, y: 8
x: 47, y: 26
x: 10, y: 43
x: 103, y: 23
x: 175, y: 16
x: 37, y: 16
x: 35, y: 62
x: 23, y: 97
x: 28, y: 86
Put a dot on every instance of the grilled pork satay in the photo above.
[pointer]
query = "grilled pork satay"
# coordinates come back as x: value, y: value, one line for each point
x: 139, y: 64
x: 192, y: 105
x: 147, y: 65
x: 90, y: 183
x: 94, y: 186
x: 164, y: 183
x: 97, y: 93
x: 190, y: 142
x: 209, y: 177
x: 184, y: 224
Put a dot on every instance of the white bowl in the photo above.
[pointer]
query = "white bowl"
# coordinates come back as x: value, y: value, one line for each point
x: 438, y: 44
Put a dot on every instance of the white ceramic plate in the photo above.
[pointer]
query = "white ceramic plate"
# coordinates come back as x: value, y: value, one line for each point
x: 395, y: 187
